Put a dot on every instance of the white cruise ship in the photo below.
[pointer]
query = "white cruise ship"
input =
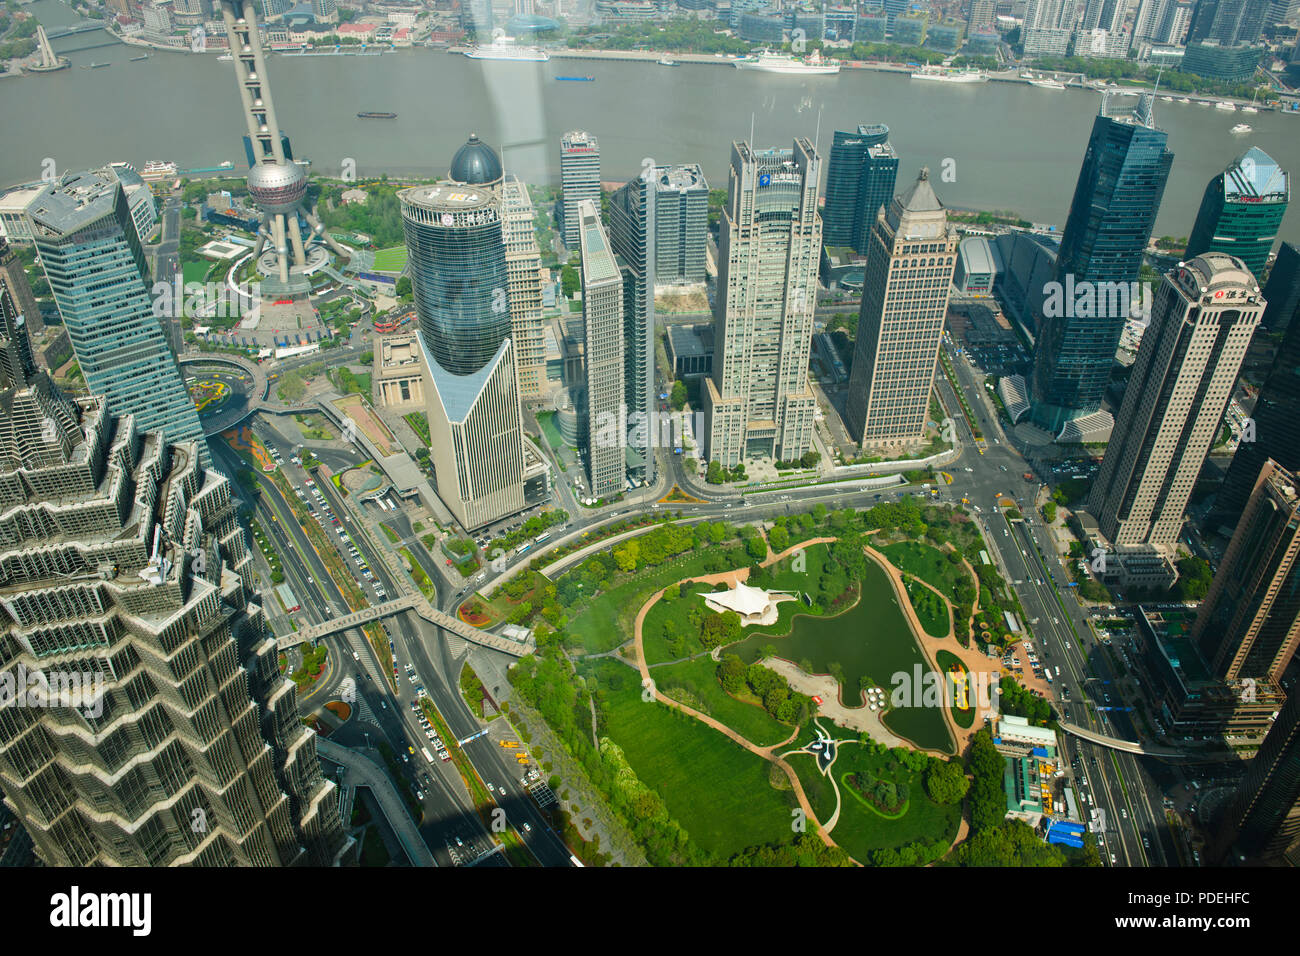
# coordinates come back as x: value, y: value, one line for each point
x: 505, y: 48
x: 949, y: 76
x: 769, y: 62
x: 1227, y: 107
x: 1047, y: 84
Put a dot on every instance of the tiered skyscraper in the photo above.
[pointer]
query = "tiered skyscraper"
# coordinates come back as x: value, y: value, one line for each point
x: 161, y: 732
x: 1114, y: 209
x: 758, y: 403
x: 455, y: 239
x: 579, y: 179
x: 277, y: 184
x: 1242, y: 210
x: 92, y: 257
x: 910, y: 262
x: 860, y: 179
x: 1204, y: 315
x: 602, y: 314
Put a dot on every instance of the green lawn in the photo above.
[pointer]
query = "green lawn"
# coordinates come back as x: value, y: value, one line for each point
x: 552, y: 433
x: 927, y: 563
x: 929, y: 607
x: 861, y: 830
x: 718, y: 791
x: 196, y: 271
x: 703, y: 692
x: 392, y: 259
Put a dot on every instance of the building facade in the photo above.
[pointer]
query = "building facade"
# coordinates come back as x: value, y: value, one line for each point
x: 633, y: 237
x: 1204, y: 315
x: 681, y: 205
x: 1263, y: 820
x: 1111, y: 216
x: 860, y: 180
x: 758, y: 403
x: 95, y: 265
x: 909, y: 272
x: 602, y: 314
x: 579, y: 179
x: 524, y: 288
x: 1242, y: 210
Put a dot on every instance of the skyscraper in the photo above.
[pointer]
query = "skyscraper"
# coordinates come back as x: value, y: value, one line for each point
x: 1242, y: 210
x: 1282, y: 291
x: 910, y: 263
x: 757, y: 402
x: 1248, y: 625
x: 860, y: 179
x: 95, y: 266
x: 1274, y: 417
x: 1114, y: 209
x: 277, y: 184
x: 1048, y: 26
x: 579, y: 178
x: 1263, y: 819
x: 455, y: 240
x: 153, y: 726
x: 633, y: 236
x: 14, y: 276
x: 681, y: 206
x: 524, y: 287
x: 1204, y: 315
x: 602, y: 315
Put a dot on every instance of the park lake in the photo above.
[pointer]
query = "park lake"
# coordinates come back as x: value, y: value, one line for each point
x: 871, y: 639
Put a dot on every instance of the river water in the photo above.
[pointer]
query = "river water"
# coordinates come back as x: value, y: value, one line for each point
x: 1008, y: 146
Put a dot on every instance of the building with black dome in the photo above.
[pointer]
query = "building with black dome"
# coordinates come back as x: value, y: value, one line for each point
x: 476, y: 164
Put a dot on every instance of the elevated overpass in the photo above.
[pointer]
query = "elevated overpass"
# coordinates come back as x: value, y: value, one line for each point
x: 1128, y: 746
x: 409, y: 602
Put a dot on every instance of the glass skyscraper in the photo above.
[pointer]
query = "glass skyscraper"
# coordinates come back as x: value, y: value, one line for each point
x: 860, y: 179
x: 632, y: 236
x: 92, y: 257
x: 1242, y: 210
x: 1118, y: 194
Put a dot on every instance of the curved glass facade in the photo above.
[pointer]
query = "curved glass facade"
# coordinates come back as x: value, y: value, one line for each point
x: 457, y: 264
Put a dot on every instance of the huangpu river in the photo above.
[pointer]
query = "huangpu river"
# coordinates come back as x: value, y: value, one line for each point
x: 989, y: 146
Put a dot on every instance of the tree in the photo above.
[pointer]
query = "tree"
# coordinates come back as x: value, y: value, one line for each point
x: 731, y: 673
x: 756, y: 547
x: 677, y: 397
x: 946, y: 782
x: 779, y: 538
x: 569, y: 281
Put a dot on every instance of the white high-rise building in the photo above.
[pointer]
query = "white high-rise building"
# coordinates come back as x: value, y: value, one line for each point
x: 602, y: 316
x: 579, y: 179
x: 758, y: 403
x: 1204, y: 315
x: 1048, y: 27
x: 910, y: 263
x: 524, y: 285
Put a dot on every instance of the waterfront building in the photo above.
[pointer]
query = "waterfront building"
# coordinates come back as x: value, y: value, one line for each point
x: 95, y: 265
x: 910, y: 264
x: 579, y: 179
x: 1222, y: 62
x: 602, y: 313
x: 1116, y: 199
x: 1204, y: 315
x: 758, y: 403
x: 1242, y: 210
x: 1048, y: 26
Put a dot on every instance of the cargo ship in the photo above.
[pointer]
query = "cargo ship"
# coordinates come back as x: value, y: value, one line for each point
x: 142, y: 56
x: 95, y: 66
x: 768, y: 62
x: 374, y: 115
x: 576, y: 79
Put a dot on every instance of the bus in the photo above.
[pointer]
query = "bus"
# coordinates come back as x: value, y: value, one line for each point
x: 427, y: 756
x: 574, y: 860
x: 541, y: 537
x: 524, y: 547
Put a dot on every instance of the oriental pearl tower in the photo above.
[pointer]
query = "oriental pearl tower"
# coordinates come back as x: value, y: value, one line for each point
x: 277, y: 185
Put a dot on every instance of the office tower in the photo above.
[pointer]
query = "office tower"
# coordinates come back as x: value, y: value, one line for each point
x: 1262, y: 821
x: 1234, y: 22
x: 14, y: 277
x: 1273, y: 420
x: 632, y: 236
x: 983, y: 14
x: 1048, y: 27
x: 139, y: 199
x: 860, y: 181
x: 277, y: 184
x: 602, y: 314
x: 758, y: 403
x: 524, y: 287
x: 1204, y: 315
x: 1280, y: 11
x: 1282, y: 291
x: 1146, y: 25
x: 1248, y: 625
x: 681, y: 206
x: 579, y: 178
x: 161, y: 732
x: 1114, y: 209
x: 1242, y: 210
x: 95, y: 266
x: 459, y: 276
x: 910, y: 262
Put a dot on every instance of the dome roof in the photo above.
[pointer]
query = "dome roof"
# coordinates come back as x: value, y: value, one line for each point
x: 476, y: 163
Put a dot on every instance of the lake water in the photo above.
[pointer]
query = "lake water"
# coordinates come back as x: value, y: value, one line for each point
x: 1012, y: 146
x: 871, y: 639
